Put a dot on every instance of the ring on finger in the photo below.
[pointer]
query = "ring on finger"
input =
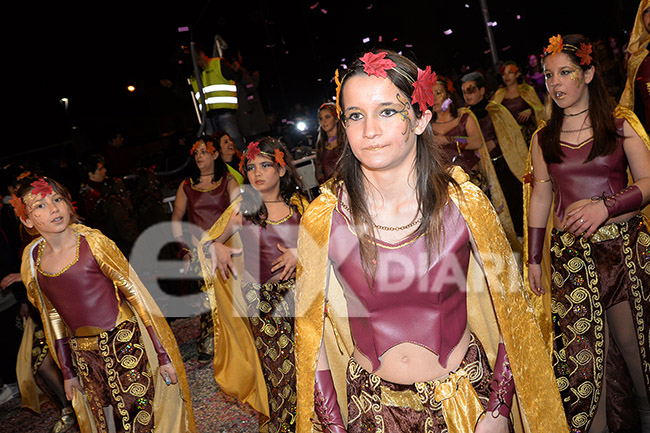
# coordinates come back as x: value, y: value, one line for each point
x: 582, y: 221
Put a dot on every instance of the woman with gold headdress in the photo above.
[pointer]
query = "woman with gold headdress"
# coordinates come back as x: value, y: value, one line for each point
x: 598, y: 273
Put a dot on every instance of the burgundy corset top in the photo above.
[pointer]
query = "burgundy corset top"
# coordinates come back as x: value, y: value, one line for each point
x: 261, y: 244
x: 204, y: 207
x: 417, y: 297
x: 81, y: 293
x: 574, y: 179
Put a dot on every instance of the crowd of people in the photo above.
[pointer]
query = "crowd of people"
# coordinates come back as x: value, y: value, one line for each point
x: 475, y: 259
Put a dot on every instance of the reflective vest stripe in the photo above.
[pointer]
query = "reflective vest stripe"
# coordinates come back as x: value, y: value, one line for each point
x: 220, y: 100
x: 220, y: 88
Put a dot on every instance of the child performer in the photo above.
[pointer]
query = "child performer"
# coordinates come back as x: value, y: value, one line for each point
x: 265, y: 219
x: 407, y: 287
x: 598, y: 272
x: 96, y: 311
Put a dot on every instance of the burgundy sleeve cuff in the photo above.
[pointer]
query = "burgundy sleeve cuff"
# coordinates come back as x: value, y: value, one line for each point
x: 536, y: 244
x: 163, y: 358
x: 64, y: 354
x: 503, y: 385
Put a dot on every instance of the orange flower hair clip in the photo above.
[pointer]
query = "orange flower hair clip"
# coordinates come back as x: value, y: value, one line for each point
x: 19, y: 206
x: 23, y: 175
x: 279, y: 157
x: 208, y: 146
x: 555, y: 45
x: 584, y: 53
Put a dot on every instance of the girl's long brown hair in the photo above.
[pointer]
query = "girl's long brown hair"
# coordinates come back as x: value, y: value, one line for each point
x: 431, y: 173
x: 601, y: 107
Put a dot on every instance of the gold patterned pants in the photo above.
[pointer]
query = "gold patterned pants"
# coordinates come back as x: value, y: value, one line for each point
x: 449, y: 405
x: 590, y: 276
x: 114, y: 371
x: 271, y: 314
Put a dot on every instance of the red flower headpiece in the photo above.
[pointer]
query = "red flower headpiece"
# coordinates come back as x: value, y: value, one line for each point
x: 19, y: 206
x: 208, y: 146
x: 423, y: 92
x: 253, y: 150
x: 376, y: 64
x: 555, y: 45
x: 584, y: 53
x: 41, y: 187
x: 450, y: 87
x: 279, y: 157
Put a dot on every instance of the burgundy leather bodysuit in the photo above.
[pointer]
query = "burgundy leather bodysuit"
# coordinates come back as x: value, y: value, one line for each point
x: 205, y: 206
x: 515, y: 106
x: 467, y: 158
x: 95, y: 297
x: 575, y: 179
x: 329, y: 157
x: 260, y: 244
x: 412, y: 300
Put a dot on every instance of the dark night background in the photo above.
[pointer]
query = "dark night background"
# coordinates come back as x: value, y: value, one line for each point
x: 89, y: 52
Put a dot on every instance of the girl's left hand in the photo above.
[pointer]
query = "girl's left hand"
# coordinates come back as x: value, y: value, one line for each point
x: 585, y: 220
x: 524, y: 115
x: 288, y: 260
x: 168, y: 372
x: 490, y: 424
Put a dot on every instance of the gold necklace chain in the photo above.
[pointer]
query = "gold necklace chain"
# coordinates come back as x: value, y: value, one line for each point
x: 387, y: 228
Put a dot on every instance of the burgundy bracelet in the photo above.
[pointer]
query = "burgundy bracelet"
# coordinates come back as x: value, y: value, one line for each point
x: 625, y: 200
x: 63, y: 352
x: 163, y: 358
x: 503, y: 385
x: 326, y: 404
x: 536, y: 237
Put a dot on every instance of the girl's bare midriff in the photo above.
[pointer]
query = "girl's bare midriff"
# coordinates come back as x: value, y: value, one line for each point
x: 408, y: 363
x: 557, y: 223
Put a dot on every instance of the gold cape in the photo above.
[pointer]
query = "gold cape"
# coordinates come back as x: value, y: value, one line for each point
x: 497, y: 197
x: 512, y: 143
x: 528, y: 94
x: 495, y: 301
x: 30, y: 394
x: 237, y: 367
x: 637, y: 50
x: 172, y: 404
x: 542, y: 304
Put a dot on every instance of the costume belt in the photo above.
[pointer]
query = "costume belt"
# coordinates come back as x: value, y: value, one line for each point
x: 606, y: 232
x: 461, y: 406
x: 87, y: 337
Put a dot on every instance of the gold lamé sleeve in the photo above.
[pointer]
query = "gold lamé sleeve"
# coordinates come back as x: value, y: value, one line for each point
x: 59, y: 328
x: 116, y: 267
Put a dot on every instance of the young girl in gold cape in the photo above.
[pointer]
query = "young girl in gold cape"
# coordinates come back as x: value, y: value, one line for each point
x: 266, y: 220
x: 119, y: 359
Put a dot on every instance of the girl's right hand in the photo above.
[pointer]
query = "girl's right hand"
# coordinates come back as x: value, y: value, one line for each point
x: 535, y: 279
x: 221, y: 259
x: 69, y: 385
